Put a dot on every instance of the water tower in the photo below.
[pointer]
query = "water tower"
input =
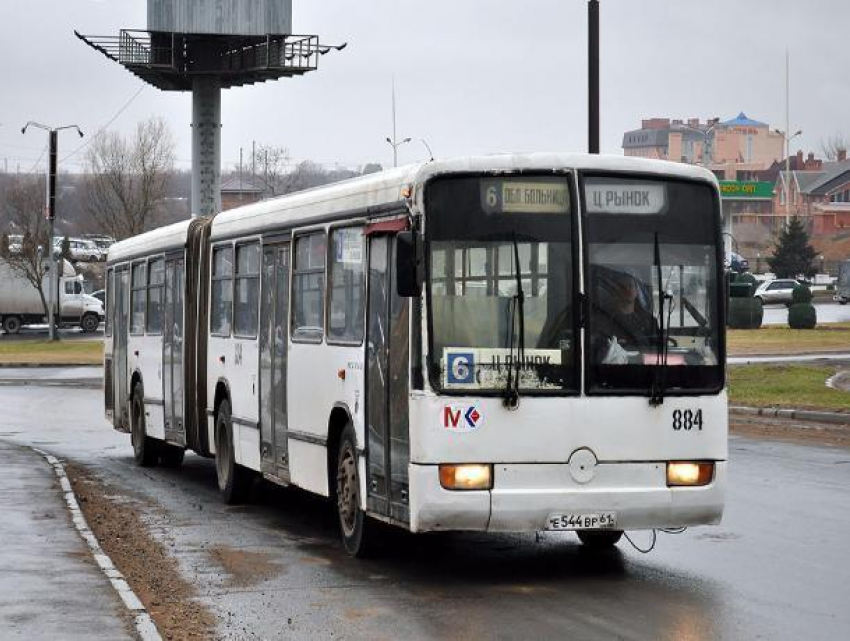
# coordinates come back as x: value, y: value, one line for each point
x: 204, y: 46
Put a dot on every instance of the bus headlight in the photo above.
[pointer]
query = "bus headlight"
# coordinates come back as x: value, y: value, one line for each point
x: 689, y: 474
x: 466, y: 477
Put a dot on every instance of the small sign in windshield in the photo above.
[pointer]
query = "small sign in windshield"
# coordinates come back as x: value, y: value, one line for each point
x: 608, y: 196
x: 525, y: 196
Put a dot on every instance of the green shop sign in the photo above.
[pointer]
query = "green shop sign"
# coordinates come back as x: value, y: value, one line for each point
x: 749, y: 190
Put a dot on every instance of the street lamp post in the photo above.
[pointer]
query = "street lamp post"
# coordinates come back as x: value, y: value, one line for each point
x: 787, y: 140
x: 395, y: 143
x: 50, y: 213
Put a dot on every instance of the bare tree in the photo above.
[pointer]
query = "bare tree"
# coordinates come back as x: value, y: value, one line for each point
x: 24, y: 207
x: 834, y: 147
x: 128, y: 178
x: 271, y: 163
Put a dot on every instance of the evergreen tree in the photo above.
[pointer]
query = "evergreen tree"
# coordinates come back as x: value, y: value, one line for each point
x: 66, y: 248
x: 793, y: 254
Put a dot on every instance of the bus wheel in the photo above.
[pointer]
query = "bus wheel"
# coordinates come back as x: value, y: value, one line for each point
x: 90, y: 323
x: 356, y: 533
x: 11, y: 324
x: 599, y: 539
x: 233, y: 479
x: 171, y: 455
x: 144, y: 448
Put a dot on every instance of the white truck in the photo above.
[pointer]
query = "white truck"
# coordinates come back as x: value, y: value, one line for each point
x: 21, y: 305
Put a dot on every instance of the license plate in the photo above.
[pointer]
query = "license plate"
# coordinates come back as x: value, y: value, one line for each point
x: 598, y: 521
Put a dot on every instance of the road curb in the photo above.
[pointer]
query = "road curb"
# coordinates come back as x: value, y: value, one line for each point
x: 818, y: 416
x: 141, y: 618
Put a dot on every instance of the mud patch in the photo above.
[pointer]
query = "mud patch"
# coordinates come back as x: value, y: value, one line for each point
x: 147, y: 567
x: 790, y: 430
x: 245, y: 568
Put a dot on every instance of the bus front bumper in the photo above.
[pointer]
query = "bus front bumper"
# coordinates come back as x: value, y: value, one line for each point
x: 525, y: 496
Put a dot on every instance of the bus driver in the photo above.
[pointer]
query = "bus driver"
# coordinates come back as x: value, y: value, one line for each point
x: 621, y: 321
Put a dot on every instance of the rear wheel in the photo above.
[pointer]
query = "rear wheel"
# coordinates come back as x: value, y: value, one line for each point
x: 11, y: 324
x: 145, y: 449
x: 599, y: 539
x: 357, y: 531
x: 233, y: 480
x: 90, y: 323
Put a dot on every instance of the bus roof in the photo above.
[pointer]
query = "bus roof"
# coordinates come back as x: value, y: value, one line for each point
x: 155, y: 241
x: 383, y: 189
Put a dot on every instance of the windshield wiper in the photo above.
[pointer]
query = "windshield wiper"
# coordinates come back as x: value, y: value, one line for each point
x: 517, y: 317
x: 659, y: 377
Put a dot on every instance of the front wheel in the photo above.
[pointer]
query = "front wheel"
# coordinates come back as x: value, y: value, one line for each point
x: 599, y: 539
x: 233, y: 480
x: 90, y: 323
x: 356, y: 530
x: 11, y: 324
x: 145, y: 449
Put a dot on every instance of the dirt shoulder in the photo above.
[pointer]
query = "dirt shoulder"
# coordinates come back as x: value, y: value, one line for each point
x: 77, y: 352
x: 151, y: 572
x: 792, y: 431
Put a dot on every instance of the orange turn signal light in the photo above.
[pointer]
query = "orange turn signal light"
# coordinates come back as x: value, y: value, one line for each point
x: 466, y: 477
x: 689, y: 473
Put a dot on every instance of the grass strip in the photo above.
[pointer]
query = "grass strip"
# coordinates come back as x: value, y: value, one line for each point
x: 77, y: 352
x: 801, y: 386
x: 784, y: 340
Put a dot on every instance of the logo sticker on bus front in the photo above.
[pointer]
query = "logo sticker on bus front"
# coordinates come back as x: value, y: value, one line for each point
x: 461, y: 418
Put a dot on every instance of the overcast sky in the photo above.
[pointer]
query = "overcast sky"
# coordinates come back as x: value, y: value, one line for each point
x: 472, y: 76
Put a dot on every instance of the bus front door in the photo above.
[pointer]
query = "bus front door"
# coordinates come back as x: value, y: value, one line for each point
x: 119, y: 349
x: 274, y: 338
x: 387, y: 386
x: 172, y: 353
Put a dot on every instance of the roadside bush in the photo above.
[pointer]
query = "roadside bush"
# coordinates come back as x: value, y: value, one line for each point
x: 802, y: 316
x: 801, y: 294
x: 745, y: 313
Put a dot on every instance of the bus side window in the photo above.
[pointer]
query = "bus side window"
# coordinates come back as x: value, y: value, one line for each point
x: 246, y: 304
x: 347, y: 273
x: 110, y: 306
x: 137, y: 300
x: 308, y: 288
x: 222, y: 291
x: 156, y: 283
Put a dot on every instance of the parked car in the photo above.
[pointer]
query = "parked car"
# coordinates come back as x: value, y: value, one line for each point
x: 100, y: 295
x: 81, y: 249
x: 778, y: 290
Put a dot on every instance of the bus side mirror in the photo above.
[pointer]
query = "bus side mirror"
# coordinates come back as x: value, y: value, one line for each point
x: 408, y: 267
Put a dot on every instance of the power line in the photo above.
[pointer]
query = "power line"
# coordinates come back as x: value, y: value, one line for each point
x: 104, y: 127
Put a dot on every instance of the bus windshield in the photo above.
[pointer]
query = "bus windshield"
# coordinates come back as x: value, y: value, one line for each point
x: 644, y: 237
x: 476, y: 228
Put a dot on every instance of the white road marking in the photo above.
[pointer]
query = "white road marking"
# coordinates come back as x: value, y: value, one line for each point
x: 142, y: 619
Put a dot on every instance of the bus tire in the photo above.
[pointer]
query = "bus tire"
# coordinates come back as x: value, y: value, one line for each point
x: 90, y: 323
x: 11, y: 324
x: 355, y: 528
x: 171, y: 455
x: 145, y: 450
x: 233, y: 480
x: 599, y: 539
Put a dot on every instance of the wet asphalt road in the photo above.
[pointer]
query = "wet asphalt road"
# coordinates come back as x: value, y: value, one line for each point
x: 777, y: 567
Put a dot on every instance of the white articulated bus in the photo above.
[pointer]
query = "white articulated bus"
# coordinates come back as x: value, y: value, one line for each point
x: 506, y: 343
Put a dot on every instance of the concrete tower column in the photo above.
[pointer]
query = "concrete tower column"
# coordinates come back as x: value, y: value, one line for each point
x: 206, y: 147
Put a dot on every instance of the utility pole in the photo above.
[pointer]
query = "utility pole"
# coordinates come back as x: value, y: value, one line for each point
x: 593, y: 77
x: 50, y: 213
